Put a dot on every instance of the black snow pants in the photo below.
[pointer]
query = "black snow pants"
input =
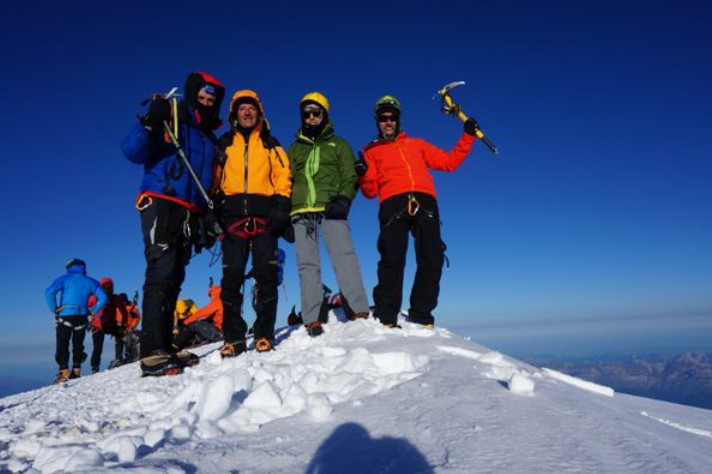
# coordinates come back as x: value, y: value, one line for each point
x: 72, y: 328
x: 396, y: 224
x: 236, y: 251
x: 167, y: 250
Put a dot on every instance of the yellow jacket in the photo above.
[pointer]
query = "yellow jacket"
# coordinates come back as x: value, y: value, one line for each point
x: 254, y: 169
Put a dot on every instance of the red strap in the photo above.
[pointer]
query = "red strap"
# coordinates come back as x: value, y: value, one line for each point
x: 248, y: 227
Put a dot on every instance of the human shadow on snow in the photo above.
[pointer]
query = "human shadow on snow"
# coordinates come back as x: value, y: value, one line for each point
x: 350, y: 450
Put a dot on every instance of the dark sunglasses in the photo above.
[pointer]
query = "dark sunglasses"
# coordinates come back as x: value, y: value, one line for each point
x: 306, y: 113
x: 387, y: 118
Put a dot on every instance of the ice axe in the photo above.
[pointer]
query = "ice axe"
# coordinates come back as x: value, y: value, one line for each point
x: 449, y: 107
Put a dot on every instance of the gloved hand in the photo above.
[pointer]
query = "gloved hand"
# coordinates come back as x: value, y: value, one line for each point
x: 471, y: 126
x: 288, y: 234
x: 360, y: 165
x: 338, y: 207
x: 158, y: 112
x: 278, y: 218
x: 212, y: 225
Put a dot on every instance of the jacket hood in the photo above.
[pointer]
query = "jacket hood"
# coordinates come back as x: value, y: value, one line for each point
x: 214, y: 292
x: 199, y: 80
x: 77, y: 269
x: 247, y: 96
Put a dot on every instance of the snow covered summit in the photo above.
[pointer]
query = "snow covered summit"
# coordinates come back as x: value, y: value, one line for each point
x: 359, y: 398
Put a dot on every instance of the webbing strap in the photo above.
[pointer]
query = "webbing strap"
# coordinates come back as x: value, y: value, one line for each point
x: 248, y: 227
x: 63, y: 322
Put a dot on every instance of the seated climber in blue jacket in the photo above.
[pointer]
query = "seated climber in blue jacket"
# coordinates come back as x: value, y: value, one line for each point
x: 72, y: 314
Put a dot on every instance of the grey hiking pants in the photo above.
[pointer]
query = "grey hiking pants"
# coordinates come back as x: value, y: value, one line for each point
x: 337, y: 237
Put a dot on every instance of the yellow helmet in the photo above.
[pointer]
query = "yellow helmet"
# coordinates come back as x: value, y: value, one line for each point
x: 318, y: 98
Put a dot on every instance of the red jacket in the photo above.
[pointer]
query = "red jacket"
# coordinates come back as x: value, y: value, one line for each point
x: 401, y: 166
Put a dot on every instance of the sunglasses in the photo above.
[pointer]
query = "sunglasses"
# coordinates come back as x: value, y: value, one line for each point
x: 387, y: 118
x: 306, y: 113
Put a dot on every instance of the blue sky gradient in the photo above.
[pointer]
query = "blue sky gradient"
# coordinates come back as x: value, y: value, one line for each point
x: 598, y: 208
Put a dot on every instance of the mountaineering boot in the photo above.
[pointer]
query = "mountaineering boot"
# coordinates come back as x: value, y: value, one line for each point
x: 356, y: 316
x: 232, y: 349
x: 314, y: 329
x: 160, y: 362
x: 62, y: 376
x: 293, y: 317
x: 393, y: 326
x: 75, y: 373
x: 94, y: 370
x: 263, y: 345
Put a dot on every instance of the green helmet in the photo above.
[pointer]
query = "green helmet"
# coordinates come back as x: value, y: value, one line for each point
x: 387, y: 103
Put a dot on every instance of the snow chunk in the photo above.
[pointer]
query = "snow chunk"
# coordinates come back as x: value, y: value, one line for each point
x: 582, y: 384
x: 67, y: 458
x: 318, y: 407
x: 215, y: 398
x: 397, y: 362
x: 521, y: 384
x: 34, y: 426
x: 124, y: 447
x: 264, y: 397
x: 25, y: 448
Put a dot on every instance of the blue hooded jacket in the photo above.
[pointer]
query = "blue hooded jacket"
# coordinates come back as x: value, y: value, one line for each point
x: 164, y: 171
x: 74, y: 289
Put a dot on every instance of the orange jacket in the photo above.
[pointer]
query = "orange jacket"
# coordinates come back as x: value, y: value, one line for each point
x: 401, y: 165
x: 118, y: 313
x: 257, y: 167
x: 213, y: 310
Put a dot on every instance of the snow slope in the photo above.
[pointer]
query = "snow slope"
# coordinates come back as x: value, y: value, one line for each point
x: 360, y: 398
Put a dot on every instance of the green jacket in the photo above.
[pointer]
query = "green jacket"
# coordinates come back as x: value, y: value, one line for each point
x: 321, y: 168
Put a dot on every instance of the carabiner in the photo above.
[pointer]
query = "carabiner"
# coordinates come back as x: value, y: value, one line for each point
x: 413, y: 205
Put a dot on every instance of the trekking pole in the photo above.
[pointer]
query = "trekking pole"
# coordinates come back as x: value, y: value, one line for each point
x: 449, y: 107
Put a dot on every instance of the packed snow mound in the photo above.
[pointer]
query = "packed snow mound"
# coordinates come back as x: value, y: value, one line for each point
x: 411, y: 400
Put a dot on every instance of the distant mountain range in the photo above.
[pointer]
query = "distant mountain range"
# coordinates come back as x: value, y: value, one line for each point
x: 684, y: 378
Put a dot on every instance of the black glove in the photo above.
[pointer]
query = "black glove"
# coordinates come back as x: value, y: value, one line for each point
x: 213, y: 227
x: 471, y: 126
x: 278, y: 218
x: 338, y: 207
x: 288, y: 234
x: 158, y: 112
x: 360, y: 165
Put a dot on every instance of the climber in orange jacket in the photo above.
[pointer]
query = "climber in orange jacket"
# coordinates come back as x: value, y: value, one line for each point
x: 202, y: 326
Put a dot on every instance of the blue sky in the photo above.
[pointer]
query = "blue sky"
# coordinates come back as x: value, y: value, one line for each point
x: 597, y: 210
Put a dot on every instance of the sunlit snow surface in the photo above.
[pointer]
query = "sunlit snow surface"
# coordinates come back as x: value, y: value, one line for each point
x: 359, y: 398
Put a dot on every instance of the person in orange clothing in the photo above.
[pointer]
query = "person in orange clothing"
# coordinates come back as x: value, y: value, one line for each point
x: 212, y: 311
x: 395, y: 167
x: 203, y: 326
x: 253, y: 204
x: 115, y: 319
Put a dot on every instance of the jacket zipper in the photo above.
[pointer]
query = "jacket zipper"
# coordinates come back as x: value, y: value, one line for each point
x: 407, y: 165
x: 245, y: 158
